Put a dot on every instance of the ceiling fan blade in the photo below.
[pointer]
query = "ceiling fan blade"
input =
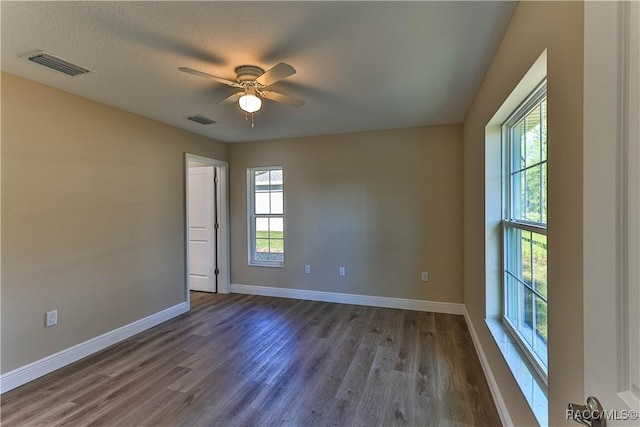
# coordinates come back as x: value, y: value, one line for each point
x: 230, y: 99
x: 285, y: 99
x: 208, y: 76
x: 275, y: 74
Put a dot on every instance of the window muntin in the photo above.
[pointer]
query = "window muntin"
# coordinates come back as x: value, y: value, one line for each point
x: 266, y: 216
x: 525, y: 227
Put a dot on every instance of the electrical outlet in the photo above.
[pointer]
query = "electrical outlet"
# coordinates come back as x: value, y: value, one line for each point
x: 307, y: 269
x: 342, y: 272
x: 51, y: 318
x: 425, y: 276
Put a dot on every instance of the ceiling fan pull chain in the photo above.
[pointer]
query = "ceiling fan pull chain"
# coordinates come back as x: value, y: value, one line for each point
x: 252, y: 124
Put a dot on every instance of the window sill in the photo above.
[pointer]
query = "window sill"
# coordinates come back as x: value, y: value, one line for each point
x: 255, y: 264
x: 524, y: 374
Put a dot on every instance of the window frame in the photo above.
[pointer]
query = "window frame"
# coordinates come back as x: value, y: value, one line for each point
x: 510, y: 223
x: 252, y: 216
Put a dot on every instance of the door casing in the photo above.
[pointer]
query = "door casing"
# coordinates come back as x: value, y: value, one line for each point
x: 611, y: 200
x: 222, y: 203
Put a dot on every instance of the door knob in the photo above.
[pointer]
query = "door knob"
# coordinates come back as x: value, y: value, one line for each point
x: 590, y: 414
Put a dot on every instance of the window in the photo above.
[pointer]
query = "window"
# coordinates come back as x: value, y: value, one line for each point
x: 266, y: 216
x: 525, y: 227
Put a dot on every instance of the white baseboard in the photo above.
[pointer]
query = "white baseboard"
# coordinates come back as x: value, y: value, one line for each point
x: 374, y: 301
x: 491, y: 380
x: 30, y: 372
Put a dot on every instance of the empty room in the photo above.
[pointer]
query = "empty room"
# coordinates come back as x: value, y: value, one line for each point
x: 388, y: 213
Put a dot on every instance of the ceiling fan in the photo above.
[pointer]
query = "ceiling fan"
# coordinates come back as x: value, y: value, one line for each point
x: 253, y: 82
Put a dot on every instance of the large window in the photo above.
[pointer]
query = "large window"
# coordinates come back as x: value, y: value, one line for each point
x: 525, y: 227
x: 266, y: 216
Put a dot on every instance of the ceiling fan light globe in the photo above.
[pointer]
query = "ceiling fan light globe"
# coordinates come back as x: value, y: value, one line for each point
x: 250, y: 103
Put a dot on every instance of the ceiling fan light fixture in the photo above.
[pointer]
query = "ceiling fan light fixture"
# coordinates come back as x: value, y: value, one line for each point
x: 250, y: 103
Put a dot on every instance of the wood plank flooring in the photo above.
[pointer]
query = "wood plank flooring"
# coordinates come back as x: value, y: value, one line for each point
x: 238, y: 360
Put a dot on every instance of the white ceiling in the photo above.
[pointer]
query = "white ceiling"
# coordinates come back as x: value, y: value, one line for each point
x: 360, y: 65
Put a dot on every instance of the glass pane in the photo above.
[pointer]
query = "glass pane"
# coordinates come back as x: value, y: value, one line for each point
x: 525, y: 244
x: 543, y: 194
x: 533, y: 193
x: 526, y: 324
x: 276, y: 228
x: 261, y: 180
x: 262, y: 249
x: 277, y: 257
x: 517, y: 147
x: 511, y: 299
x: 276, y: 179
x: 532, y: 136
x: 541, y: 330
x: 518, y: 195
x: 513, y: 256
x: 262, y: 203
x: 518, y: 256
x: 522, y: 144
x: 539, y: 246
x: 543, y: 120
x: 276, y: 246
x: 277, y: 203
x: 262, y: 228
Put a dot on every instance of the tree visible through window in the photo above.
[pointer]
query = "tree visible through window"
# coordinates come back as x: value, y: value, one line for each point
x: 266, y: 216
x: 525, y: 227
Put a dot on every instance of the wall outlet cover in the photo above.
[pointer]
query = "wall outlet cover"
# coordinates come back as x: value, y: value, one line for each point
x: 51, y: 318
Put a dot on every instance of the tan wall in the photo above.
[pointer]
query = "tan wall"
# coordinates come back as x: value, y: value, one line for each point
x: 387, y: 205
x: 92, y: 217
x: 557, y: 26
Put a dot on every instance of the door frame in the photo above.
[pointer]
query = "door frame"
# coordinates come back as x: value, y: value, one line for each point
x: 611, y: 293
x: 222, y: 204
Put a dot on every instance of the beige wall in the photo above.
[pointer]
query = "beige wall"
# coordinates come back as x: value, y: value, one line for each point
x: 92, y: 217
x: 386, y: 205
x: 557, y: 26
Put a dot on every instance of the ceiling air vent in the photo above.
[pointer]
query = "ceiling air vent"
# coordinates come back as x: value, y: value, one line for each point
x: 57, y: 64
x: 201, y: 119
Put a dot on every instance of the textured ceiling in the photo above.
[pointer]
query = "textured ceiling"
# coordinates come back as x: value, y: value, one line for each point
x: 360, y: 65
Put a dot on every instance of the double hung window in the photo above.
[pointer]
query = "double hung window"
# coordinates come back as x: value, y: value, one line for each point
x: 266, y: 216
x: 525, y: 227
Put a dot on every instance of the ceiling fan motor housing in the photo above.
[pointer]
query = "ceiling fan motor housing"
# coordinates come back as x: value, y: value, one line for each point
x: 248, y: 73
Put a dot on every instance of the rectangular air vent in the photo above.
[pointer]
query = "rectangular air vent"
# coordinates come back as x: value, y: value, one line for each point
x: 57, y: 64
x: 201, y: 119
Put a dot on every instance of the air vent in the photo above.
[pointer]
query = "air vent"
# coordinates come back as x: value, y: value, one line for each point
x: 201, y: 119
x: 57, y: 64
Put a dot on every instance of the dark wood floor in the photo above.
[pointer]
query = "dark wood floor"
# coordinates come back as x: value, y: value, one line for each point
x: 238, y: 360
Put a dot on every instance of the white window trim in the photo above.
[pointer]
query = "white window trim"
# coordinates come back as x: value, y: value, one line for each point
x: 539, y: 228
x: 251, y: 231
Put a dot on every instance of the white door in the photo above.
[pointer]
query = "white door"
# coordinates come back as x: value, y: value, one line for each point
x: 611, y: 209
x: 202, y: 214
